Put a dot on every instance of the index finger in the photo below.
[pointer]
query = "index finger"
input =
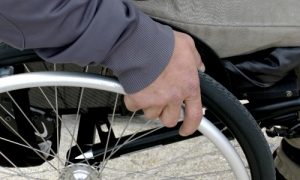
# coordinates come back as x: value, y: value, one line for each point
x: 193, y: 115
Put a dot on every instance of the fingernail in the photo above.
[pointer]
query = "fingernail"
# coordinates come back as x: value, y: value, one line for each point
x: 202, y: 68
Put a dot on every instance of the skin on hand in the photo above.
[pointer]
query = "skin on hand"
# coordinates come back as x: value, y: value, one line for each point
x: 178, y: 84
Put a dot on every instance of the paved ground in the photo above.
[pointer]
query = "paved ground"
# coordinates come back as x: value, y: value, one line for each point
x: 193, y: 159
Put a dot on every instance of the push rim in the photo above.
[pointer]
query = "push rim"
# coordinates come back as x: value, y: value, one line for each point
x: 40, y: 79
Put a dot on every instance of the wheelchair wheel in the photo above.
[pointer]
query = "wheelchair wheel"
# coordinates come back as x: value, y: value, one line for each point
x: 94, y: 138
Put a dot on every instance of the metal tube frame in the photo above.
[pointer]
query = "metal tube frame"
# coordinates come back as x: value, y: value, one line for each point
x: 42, y: 79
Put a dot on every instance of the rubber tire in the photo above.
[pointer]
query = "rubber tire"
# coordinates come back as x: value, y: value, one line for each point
x: 242, y: 125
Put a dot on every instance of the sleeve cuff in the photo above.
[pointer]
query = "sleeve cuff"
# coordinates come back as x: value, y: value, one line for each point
x: 140, y: 59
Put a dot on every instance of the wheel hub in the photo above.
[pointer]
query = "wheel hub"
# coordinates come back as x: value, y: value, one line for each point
x: 79, y: 172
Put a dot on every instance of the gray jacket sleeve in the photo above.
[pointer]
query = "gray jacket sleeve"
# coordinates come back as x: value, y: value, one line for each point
x: 108, y: 32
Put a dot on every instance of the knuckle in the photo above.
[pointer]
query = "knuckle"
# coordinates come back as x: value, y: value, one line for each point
x: 132, y: 104
x: 160, y: 102
x: 176, y: 96
x: 188, y: 38
x: 191, y: 42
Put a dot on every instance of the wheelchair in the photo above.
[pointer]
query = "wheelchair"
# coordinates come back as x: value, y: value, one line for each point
x: 62, y: 121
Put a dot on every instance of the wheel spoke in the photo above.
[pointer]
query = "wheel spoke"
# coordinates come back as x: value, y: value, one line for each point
x: 109, y: 132
x: 14, y: 131
x: 115, y: 149
x: 10, y: 114
x: 13, y: 164
x: 28, y: 120
x: 77, y: 121
x: 73, y: 139
x: 59, y: 117
x: 28, y: 147
x: 131, y: 139
x: 122, y: 133
x: 116, y: 145
x: 56, y: 118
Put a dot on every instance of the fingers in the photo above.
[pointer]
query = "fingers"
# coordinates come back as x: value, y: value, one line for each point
x: 177, y: 83
x: 170, y: 115
x: 193, y: 115
x: 153, y: 112
x: 130, y: 104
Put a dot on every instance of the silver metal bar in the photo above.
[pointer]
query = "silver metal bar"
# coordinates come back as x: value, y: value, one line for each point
x: 221, y: 142
x: 94, y: 81
x: 44, y: 79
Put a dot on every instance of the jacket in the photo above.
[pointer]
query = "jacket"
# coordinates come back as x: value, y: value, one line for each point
x: 113, y: 33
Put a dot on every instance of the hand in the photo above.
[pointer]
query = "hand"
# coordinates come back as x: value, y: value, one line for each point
x: 178, y: 84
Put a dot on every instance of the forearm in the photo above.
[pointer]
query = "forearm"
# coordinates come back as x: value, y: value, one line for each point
x: 109, y: 32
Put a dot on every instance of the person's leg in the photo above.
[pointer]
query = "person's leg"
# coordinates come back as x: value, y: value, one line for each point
x: 287, y: 161
x: 232, y: 27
